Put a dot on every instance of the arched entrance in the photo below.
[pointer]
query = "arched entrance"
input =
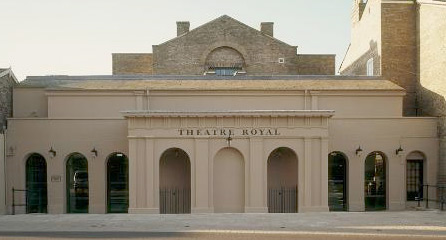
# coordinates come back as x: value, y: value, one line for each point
x: 117, y: 183
x: 77, y: 184
x: 414, y: 176
x: 282, y: 181
x: 175, y: 182
x: 229, y: 181
x: 375, y: 182
x: 36, y: 184
x: 337, y: 181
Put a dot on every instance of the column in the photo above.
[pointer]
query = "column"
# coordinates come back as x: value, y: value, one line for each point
x: 132, y: 175
x: 355, y: 180
x: 324, y: 175
x: 97, y: 182
x: 152, y: 178
x: 396, y: 181
x: 143, y: 179
x: 306, y: 177
x: 257, y: 186
x: 201, y: 176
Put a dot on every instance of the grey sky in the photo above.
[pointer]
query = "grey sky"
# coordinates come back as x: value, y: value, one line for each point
x: 77, y: 37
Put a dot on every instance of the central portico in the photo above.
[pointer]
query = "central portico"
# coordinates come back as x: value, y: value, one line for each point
x: 232, y: 161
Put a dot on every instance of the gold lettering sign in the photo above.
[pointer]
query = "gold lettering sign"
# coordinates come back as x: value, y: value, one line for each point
x: 229, y: 132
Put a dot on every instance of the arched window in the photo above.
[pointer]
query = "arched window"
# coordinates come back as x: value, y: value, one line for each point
x: 337, y: 181
x: 375, y: 186
x: 414, y: 176
x: 224, y: 61
x: 117, y: 183
x: 77, y: 184
x: 36, y: 184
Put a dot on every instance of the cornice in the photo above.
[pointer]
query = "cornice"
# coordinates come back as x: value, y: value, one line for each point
x: 239, y: 113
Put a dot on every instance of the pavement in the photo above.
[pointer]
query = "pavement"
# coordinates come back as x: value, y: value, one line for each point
x: 333, y: 225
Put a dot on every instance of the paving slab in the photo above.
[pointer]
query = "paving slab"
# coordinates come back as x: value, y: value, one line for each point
x: 399, y: 224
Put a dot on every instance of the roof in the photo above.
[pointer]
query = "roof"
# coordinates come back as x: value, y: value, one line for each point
x: 165, y: 82
x: 8, y: 72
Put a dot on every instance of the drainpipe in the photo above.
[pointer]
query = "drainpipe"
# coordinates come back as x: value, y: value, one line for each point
x: 305, y: 99
x: 4, y: 166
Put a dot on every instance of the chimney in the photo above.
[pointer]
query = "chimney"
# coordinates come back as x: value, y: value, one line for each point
x: 267, y: 28
x: 182, y: 28
x: 362, y: 5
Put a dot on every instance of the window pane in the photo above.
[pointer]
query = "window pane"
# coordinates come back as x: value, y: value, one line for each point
x: 375, y: 182
x: 118, y: 185
x: 337, y: 188
x: 77, y: 184
x: 414, y: 179
x: 36, y: 184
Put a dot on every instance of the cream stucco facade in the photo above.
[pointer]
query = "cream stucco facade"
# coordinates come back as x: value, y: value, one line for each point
x: 144, y: 118
x: 227, y: 138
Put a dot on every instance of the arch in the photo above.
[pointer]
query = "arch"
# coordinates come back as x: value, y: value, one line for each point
x: 175, y: 182
x: 229, y: 181
x: 375, y: 181
x: 77, y: 185
x: 415, y: 166
x: 337, y: 181
x: 36, y: 184
x: 239, y: 48
x: 225, y: 57
x: 282, y: 180
x: 117, y: 183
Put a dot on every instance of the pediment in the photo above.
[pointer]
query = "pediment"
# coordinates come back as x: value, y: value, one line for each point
x: 228, y: 28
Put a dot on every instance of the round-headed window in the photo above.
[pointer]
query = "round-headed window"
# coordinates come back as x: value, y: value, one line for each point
x: 224, y: 61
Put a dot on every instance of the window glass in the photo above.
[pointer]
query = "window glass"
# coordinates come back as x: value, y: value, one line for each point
x: 36, y: 184
x: 118, y: 183
x: 77, y: 184
x: 337, y: 182
x: 414, y: 180
x: 370, y: 67
x: 223, y: 71
x: 375, y: 182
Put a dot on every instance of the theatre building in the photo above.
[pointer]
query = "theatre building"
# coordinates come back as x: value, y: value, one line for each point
x: 223, y: 118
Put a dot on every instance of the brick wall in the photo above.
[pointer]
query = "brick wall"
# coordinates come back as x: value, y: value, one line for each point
x: 399, y: 49
x: 186, y: 55
x: 359, y: 66
x: 132, y: 63
x: 6, y: 85
x: 195, y: 52
x: 432, y: 70
x: 365, y: 40
x: 309, y: 64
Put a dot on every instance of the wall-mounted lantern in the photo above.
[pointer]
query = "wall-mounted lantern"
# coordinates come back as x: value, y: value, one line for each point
x: 229, y: 139
x: 399, y: 152
x: 52, y: 152
x: 359, y: 151
x: 94, y: 153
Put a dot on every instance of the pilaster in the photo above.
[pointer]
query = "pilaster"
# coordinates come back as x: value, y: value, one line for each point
x: 200, y: 202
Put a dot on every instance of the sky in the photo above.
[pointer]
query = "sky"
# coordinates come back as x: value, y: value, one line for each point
x: 77, y: 37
